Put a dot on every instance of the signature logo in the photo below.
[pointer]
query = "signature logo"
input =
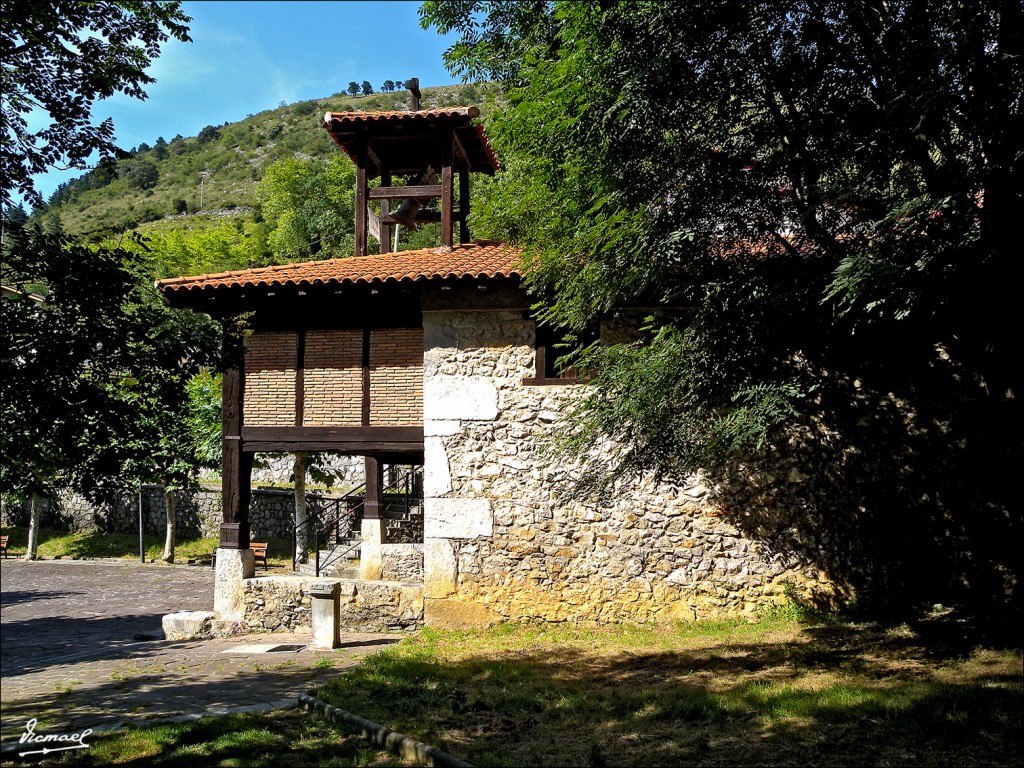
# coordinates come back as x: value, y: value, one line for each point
x: 62, y: 740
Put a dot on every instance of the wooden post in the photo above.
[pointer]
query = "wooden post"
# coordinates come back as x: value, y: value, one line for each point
x: 374, y: 504
x: 464, y: 205
x: 361, y: 212
x: 237, y: 465
x: 447, y: 191
x: 385, y: 209
x: 300, y: 377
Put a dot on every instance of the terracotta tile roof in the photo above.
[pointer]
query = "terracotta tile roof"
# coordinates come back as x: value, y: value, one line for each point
x: 482, y: 259
x: 382, y: 128
x: 396, y: 117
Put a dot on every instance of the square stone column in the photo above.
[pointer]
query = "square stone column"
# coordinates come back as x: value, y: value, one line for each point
x: 370, y: 555
x: 233, y: 567
x: 325, y: 602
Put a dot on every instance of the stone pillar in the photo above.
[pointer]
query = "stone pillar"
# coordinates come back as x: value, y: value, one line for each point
x: 370, y: 554
x: 326, y: 606
x: 233, y: 567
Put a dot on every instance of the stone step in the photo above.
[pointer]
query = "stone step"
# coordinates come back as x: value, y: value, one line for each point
x: 347, y: 569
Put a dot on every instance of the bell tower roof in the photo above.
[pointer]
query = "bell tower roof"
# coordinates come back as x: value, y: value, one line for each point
x: 406, y: 142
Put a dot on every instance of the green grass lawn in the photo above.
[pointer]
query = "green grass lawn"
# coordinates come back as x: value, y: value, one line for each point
x: 781, y: 692
x: 93, y: 545
x: 790, y: 690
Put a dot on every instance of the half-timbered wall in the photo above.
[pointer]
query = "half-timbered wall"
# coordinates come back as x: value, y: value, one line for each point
x: 350, y: 377
x: 333, y: 378
x: 270, y: 370
x: 396, y: 377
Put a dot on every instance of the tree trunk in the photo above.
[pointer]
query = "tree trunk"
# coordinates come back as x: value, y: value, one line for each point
x: 301, y: 508
x: 35, y: 506
x: 168, y: 556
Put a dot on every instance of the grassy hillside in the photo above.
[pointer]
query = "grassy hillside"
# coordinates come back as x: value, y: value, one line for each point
x: 190, y: 182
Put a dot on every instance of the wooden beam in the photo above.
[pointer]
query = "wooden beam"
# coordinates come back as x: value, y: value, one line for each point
x: 384, y: 238
x: 396, y: 193
x: 447, y: 190
x: 300, y: 377
x: 463, y: 205
x: 347, y: 448
x: 329, y: 434
x: 366, y: 377
x: 373, y: 157
x: 361, y: 210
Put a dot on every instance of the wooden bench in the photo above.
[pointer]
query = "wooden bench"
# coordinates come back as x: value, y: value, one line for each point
x: 3, y: 545
x: 260, y: 550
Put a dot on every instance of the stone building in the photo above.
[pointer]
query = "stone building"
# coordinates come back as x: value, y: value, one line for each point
x: 433, y: 357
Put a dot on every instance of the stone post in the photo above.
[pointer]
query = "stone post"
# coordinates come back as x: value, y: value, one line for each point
x: 233, y: 567
x: 326, y: 605
x: 370, y: 554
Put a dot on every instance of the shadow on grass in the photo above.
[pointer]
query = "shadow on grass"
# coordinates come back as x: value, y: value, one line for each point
x: 839, y: 698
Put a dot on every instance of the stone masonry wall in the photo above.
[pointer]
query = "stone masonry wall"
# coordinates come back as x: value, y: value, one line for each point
x: 271, y: 513
x: 402, y: 562
x: 500, y: 541
x: 282, y: 603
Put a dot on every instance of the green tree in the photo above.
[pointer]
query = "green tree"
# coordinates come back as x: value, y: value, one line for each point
x: 816, y: 201
x: 61, y: 57
x: 353, y: 88
x: 139, y: 173
x: 366, y: 89
x: 93, y: 363
x: 93, y: 372
x: 179, y: 252
x: 308, y: 206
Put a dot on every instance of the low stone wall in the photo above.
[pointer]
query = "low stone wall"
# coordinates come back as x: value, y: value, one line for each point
x: 277, y: 469
x: 282, y: 603
x: 271, y: 513
x: 402, y: 562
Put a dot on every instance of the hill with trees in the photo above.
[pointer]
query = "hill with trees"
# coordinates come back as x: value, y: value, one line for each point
x: 270, y: 188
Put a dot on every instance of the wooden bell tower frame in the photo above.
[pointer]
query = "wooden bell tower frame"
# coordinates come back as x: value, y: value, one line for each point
x: 389, y: 145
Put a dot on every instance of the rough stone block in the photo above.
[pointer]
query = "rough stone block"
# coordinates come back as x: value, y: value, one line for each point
x: 455, y: 614
x: 459, y: 397
x: 187, y: 625
x: 437, y: 478
x: 441, y: 427
x: 233, y: 567
x: 439, y: 568
x: 457, y: 518
x: 324, y: 596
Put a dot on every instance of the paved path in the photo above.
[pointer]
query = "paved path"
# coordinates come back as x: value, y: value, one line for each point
x: 81, y: 646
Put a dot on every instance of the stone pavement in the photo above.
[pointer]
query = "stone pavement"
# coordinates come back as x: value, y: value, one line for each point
x: 81, y: 646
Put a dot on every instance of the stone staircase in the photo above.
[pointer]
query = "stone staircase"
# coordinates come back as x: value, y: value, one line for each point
x: 346, y: 567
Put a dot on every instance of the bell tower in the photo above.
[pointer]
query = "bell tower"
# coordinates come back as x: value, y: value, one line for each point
x: 426, y: 147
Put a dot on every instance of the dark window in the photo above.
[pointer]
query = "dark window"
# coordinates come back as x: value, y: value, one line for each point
x: 552, y: 346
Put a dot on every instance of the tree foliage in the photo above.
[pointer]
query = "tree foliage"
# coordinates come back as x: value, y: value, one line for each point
x: 814, y: 203
x: 308, y: 205
x: 93, y: 371
x: 60, y: 57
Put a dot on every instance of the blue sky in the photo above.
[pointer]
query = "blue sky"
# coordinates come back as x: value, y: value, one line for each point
x: 250, y: 55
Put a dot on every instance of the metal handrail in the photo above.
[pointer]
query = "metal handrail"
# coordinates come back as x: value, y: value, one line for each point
x: 350, y: 507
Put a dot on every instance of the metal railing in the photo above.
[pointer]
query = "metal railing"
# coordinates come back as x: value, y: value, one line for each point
x: 334, y: 526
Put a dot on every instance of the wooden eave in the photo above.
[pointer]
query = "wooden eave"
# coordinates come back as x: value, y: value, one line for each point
x: 404, y: 142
